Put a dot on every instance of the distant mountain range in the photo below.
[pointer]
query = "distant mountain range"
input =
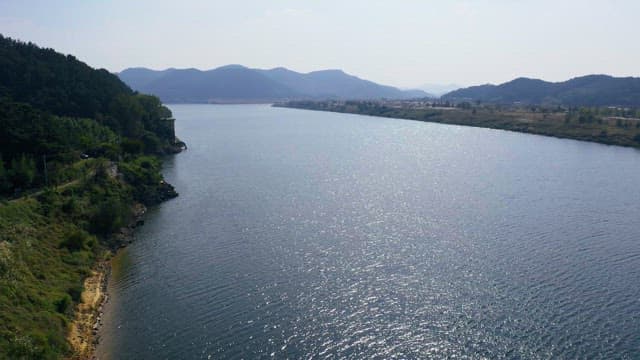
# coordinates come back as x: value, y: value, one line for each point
x: 438, y: 89
x: 236, y: 83
x: 591, y: 90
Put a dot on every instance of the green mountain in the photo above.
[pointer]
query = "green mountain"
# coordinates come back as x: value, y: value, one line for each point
x: 336, y: 84
x: 236, y: 83
x: 591, y: 90
x: 77, y: 150
x: 52, y: 104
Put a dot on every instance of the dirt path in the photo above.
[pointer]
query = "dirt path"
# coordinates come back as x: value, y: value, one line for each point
x: 64, y: 185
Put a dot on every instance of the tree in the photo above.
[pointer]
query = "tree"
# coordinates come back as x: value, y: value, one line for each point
x: 108, y: 217
x: 5, y: 184
x: 129, y: 114
x: 78, y: 240
x: 23, y: 171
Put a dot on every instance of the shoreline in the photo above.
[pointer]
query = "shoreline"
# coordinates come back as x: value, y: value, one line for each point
x: 83, y: 330
x: 605, y: 133
x: 83, y: 334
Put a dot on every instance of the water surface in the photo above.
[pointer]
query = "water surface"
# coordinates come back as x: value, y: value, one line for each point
x: 301, y: 234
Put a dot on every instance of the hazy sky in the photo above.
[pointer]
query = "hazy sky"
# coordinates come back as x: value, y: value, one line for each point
x: 403, y: 42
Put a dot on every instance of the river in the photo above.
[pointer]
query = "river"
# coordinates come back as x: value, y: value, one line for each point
x: 301, y: 234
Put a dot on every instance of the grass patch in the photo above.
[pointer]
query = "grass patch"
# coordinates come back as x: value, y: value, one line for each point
x: 48, y: 245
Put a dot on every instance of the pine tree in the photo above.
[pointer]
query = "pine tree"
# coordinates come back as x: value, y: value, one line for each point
x: 5, y: 184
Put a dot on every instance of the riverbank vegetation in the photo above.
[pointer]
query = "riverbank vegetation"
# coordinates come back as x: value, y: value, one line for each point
x: 606, y: 125
x: 78, y: 149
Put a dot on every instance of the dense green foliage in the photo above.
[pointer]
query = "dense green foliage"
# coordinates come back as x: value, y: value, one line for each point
x: 46, y: 249
x: 26, y: 130
x: 49, y: 242
x: 592, y: 90
x: 53, y: 108
x: 603, y: 125
x: 34, y: 274
x: 82, y: 145
x: 54, y: 82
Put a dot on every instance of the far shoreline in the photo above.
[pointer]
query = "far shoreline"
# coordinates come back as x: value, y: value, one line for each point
x: 607, y: 132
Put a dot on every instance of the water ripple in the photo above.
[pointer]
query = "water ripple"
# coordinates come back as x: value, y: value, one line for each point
x: 308, y: 235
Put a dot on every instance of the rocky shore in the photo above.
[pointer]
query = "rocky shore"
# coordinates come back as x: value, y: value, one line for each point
x: 83, y: 334
x: 88, y: 315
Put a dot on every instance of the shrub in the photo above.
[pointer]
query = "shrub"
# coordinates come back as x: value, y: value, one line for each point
x: 75, y: 292
x: 107, y: 150
x: 63, y: 304
x: 5, y: 184
x: 131, y: 146
x: 152, y: 144
x: 78, y: 240
x: 5, y: 258
x: 23, y: 171
x: 109, y: 216
x: 70, y: 205
x: 48, y: 201
x: 34, y: 346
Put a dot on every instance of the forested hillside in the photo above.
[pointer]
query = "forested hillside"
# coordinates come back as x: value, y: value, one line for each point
x: 591, y: 90
x: 77, y: 150
x: 55, y: 106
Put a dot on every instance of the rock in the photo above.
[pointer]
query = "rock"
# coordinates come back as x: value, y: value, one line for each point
x: 166, y: 191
